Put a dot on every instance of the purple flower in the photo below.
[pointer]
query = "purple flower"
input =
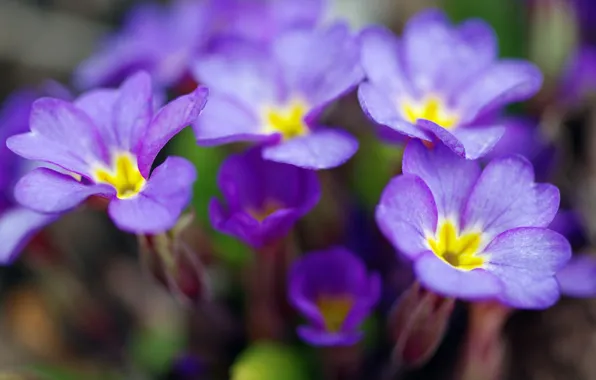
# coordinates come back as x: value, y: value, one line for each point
x: 475, y: 234
x: 333, y: 290
x: 276, y: 97
x: 442, y: 82
x: 17, y: 224
x: 579, y: 78
x: 264, y: 199
x: 156, y: 38
x: 578, y: 277
x: 263, y: 20
x: 106, y: 142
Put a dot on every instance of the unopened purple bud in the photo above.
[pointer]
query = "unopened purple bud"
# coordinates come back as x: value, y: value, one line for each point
x: 418, y: 322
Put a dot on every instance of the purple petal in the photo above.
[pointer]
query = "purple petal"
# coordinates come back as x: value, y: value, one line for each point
x: 445, y: 136
x: 578, y: 277
x: 379, y: 107
x: 504, y: 82
x: 506, y: 197
x: 426, y: 43
x: 480, y: 140
x: 449, y: 177
x: 158, y: 206
x: 226, y: 120
x: 60, y: 134
x: 321, y: 149
x: 440, y: 277
x: 45, y: 190
x: 521, y: 136
x: 334, y: 72
x: 249, y: 76
x: 318, y: 337
x: 99, y: 106
x: 17, y: 226
x: 169, y: 120
x: 363, y: 306
x: 133, y: 112
x: 407, y: 213
x: 382, y: 63
x: 526, y: 260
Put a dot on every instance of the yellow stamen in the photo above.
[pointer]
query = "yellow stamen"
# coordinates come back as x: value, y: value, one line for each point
x: 287, y: 120
x: 431, y: 108
x: 335, y: 309
x: 459, y: 251
x: 268, y: 208
x: 124, y: 176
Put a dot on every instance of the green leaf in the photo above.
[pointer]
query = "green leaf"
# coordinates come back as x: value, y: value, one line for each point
x: 270, y: 361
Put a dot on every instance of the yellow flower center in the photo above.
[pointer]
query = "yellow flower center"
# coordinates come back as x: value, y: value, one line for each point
x: 459, y: 251
x: 334, y: 309
x: 287, y: 120
x: 431, y: 108
x: 268, y: 208
x: 124, y: 176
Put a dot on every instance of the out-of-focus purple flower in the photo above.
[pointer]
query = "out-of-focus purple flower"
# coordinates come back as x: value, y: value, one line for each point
x: 523, y: 136
x: 276, y: 97
x: 475, y: 234
x: 333, y: 290
x: 159, y: 39
x: 442, y: 82
x: 578, y: 277
x: 263, y: 20
x: 585, y: 11
x: 107, y: 140
x: 263, y: 199
x: 17, y: 224
x: 579, y: 78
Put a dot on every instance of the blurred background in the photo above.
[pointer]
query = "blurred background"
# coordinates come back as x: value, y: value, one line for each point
x: 80, y: 305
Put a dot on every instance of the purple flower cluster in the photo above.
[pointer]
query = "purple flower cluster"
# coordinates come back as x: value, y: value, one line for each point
x: 268, y: 72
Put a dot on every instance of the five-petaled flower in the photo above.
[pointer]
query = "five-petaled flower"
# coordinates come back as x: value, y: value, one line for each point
x: 475, y: 234
x: 264, y: 199
x: 442, y: 82
x: 276, y: 96
x: 333, y: 290
x: 105, y: 143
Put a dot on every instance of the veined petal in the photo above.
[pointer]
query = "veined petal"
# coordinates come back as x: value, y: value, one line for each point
x: 506, y: 197
x: 99, y: 106
x: 168, y: 121
x: 61, y: 134
x: 132, y: 112
x: 406, y: 213
x: 17, y: 227
x: 449, y: 177
x: 47, y: 191
x: 445, y: 136
x: 480, y: 140
x: 444, y: 279
x: 526, y: 261
x: 321, y: 149
x: 158, y: 206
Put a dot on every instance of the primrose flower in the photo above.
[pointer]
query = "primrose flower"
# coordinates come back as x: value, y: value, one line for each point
x: 333, y: 290
x: 475, y: 234
x: 17, y: 224
x: 442, y: 82
x: 263, y: 20
x: 276, y: 97
x: 106, y: 142
x: 156, y: 38
x: 263, y: 199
